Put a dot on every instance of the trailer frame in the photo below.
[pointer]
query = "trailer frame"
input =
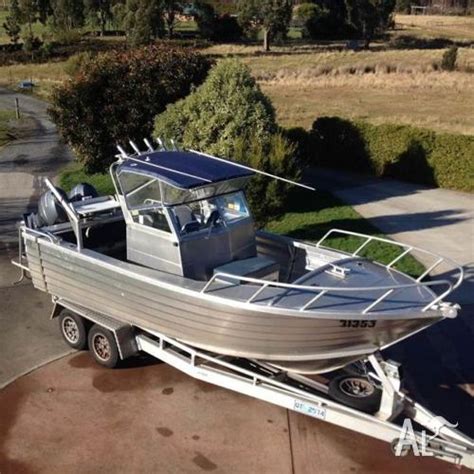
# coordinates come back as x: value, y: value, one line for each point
x: 294, y: 391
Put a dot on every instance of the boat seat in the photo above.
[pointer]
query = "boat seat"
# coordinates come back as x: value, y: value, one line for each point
x: 254, y: 267
x: 184, y: 215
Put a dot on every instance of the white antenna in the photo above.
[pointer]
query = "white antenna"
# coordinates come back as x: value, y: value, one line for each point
x: 134, y: 147
x: 254, y: 170
x: 160, y: 142
x: 148, y: 144
x: 123, y: 153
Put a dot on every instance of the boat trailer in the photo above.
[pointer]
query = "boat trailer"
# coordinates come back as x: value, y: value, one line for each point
x: 297, y: 392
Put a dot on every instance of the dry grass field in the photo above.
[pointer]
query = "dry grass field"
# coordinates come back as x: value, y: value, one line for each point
x: 404, y: 86
x: 45, y: 76
x: 457, y: 28
x: 380, y: 85
x: 440, y: 101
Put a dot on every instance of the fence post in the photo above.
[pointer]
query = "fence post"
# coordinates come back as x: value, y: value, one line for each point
x: 17, y: 108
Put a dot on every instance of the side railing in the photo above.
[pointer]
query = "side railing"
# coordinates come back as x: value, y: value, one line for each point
x: 318, y: 292
x: 406, y: 250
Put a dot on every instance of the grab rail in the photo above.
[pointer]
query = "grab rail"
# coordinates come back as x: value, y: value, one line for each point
x: 388, y: 290
x: 321, y: 290
x: 407, y: 251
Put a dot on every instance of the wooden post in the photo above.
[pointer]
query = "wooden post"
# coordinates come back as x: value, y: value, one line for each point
x: 17, y: 108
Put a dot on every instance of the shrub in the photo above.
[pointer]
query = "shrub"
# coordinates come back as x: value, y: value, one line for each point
x: 212, y: 26
x: 313, y: 19
x: 267, y: 197
x: 399, y: 151
x: 452, y: 159
x: 227, y: 106
x: 78, y: 62
x: 450, y: 56
x: 117, y: 97
x: 229, y: 116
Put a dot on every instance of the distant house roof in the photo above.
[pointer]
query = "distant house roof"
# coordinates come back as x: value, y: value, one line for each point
x: 184, y: 170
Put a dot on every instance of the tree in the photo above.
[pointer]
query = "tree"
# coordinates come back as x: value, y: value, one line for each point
x: 116, y: 96
x: 313, y: 19
x: 170, y: 9
x: 67, y: 14
x: 228, y: 115
x: 213, y: 26
x: 271, y: 16
x: 12, y: 22
x: 143, y: 21
x: 28, y: 9
x: 99, y: 11
x: 45, y: 10
x: 403, y: 6
x: 369, y: 17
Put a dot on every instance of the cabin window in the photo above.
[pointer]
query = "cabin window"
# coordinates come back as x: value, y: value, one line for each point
x: 220, y: 210
x: 140, y: 190
x: 151, y: 217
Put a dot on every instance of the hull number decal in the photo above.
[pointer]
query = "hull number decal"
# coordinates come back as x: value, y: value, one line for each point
x: 356, y: 323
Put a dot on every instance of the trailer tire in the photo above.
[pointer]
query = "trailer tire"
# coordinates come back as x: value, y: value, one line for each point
x: 73, y: 329
x: 103, y: 346
x: 355, y: 392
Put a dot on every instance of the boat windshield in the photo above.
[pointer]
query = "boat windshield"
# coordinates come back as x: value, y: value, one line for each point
x: 206, y: 213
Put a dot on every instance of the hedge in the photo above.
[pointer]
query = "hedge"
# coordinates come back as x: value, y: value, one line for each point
x: 398, y: 151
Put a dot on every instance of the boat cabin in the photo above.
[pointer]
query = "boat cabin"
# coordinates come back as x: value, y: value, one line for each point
x: 186, y: 214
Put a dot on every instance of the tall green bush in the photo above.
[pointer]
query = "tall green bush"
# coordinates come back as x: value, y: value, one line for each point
x: 229, y: 116
x: 399, y: 151
x: 228, y: 105
x: 117, y: 95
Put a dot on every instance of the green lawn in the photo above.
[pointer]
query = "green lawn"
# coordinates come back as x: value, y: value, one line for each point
x: 310, y: 215
x: 5, y: 117
x: 74, y: 174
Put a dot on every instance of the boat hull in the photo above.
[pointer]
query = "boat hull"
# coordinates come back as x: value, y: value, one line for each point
x: 290, y: 338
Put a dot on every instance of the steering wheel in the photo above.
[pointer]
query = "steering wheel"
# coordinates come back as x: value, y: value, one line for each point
x: 214, y: 219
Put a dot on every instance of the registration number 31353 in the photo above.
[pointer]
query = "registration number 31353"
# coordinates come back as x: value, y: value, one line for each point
x: 356, y: 323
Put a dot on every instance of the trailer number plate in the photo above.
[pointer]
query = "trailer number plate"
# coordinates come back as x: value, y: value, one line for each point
x: 309, y: 409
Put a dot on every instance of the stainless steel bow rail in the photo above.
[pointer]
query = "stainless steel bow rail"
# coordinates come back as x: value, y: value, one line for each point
x: 437, y: 260
x: 292, y: 391
x: 320, y: 291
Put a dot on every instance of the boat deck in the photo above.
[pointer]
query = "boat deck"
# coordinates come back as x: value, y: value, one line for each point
x: 358, y: 273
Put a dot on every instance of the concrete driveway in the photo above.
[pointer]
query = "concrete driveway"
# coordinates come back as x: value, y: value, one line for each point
x: 27, y: 338
x: 438, y: 363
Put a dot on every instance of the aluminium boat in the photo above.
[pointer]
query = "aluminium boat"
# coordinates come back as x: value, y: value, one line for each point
x: 175, y: 251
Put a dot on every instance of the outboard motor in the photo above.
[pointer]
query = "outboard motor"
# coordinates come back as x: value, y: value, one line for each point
x: 82, y: 191
x: 50, y: 210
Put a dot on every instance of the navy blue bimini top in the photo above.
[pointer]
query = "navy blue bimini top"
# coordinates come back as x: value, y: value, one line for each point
x: 184, y: 169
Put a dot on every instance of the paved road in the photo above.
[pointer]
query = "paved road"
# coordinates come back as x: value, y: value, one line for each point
x: 27, y: 337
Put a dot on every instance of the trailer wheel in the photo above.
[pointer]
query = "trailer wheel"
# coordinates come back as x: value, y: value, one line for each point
x: 73, y: 329
x: 103, y: 346
x: 355, y: 392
